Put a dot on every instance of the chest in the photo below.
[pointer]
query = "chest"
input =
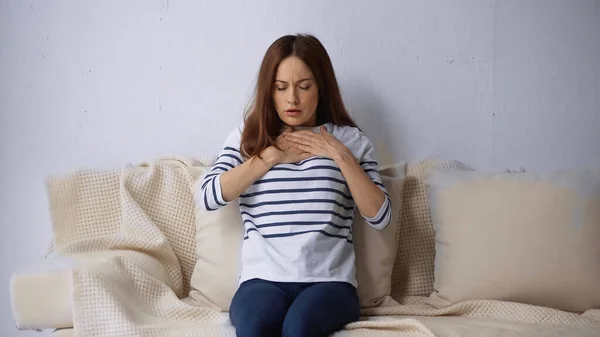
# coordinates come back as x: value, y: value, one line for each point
x: 313, y: 174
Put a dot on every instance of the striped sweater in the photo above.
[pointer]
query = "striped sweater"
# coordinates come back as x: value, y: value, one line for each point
x: 298, y: 217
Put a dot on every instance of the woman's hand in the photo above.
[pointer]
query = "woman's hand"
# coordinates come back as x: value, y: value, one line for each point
x: 286, y: 154
x: 323, y: 144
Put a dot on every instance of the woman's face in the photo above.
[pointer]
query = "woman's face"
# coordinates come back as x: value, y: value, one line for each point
x: 295, y: 93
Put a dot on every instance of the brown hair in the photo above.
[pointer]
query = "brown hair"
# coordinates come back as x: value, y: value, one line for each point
x: 262, y: 124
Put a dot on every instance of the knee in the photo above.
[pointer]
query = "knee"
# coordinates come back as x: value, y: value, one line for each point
x: 257, y: 329
x: 258, y: 309
x: 257, y: 326
x: 302, y: 324
x: 299, y: 327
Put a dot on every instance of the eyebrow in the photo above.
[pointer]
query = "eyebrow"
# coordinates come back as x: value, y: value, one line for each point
x: 302, y: 80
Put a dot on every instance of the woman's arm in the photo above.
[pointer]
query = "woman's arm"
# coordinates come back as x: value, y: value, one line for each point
x: 368, y: 197
x: 228, y: 174
x: 235, y: 181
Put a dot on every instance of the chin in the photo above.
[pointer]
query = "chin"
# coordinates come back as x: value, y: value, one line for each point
x: 298, y: 121
x: 294, y: 122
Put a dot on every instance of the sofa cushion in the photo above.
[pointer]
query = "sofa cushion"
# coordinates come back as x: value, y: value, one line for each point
x: 41, y: 295
x: 413, y: 269
x: 219, y: 237
x: 375, y: 250
x: 523, y: 237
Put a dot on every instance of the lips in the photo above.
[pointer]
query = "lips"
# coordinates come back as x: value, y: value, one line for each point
x: 293, y: 112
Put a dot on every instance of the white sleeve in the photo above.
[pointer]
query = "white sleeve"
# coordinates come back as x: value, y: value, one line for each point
x: 371, y: 167
x: 364, y: 152
x: 210, y: 197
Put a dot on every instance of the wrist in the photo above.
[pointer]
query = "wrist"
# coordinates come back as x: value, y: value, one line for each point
x: 344, y: 158
x: 268, y: 157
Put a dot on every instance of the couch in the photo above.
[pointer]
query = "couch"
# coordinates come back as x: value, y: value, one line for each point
x: 468, y: 253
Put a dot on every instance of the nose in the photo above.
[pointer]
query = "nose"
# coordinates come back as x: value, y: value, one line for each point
x: 292, y: 96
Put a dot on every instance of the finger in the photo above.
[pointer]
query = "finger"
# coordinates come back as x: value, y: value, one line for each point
x: 326, y: 133
x: 302, y: 147
x: 280, y: 138
x: 284, y: 144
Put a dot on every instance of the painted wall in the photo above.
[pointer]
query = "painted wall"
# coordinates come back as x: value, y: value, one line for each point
x: 504, y: 84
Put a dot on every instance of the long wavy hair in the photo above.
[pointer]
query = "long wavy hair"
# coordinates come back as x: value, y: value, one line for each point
x: 262, y: 123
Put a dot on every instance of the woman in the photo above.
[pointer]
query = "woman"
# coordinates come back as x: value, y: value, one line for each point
x: 299, y: 166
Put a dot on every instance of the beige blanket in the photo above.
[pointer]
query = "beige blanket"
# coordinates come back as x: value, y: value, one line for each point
x: 132, y: 232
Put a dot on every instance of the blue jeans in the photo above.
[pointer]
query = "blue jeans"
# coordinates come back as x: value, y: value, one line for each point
x: 263, y: 308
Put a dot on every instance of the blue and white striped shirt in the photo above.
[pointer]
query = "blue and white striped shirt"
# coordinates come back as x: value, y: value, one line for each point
x: 298, y: 217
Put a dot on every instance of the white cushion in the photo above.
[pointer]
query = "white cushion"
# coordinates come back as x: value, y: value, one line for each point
x: 375, y: 249
x: 219, y: 237
x: 413, y: 269
x: 522, y: 237
x: 42, y: 294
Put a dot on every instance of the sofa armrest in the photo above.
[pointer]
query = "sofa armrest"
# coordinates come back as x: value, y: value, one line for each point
x: 42, y: 294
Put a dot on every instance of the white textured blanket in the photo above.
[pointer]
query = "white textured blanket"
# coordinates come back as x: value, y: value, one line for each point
x: 132, y: 232
x: 122, y: 226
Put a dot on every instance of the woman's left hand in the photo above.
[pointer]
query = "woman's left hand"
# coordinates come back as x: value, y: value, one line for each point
x: 323, y: 144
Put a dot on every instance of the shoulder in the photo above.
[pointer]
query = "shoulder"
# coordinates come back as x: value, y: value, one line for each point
x: 349, y: 135
x: 352, y: 137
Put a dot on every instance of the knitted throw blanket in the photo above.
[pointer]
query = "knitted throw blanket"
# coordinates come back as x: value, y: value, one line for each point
x: 122, y: 228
